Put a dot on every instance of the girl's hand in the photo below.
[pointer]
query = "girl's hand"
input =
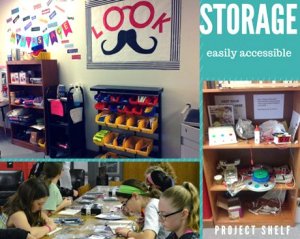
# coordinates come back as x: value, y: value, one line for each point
x: 75, y: 193
x: 52, y: 225
x: 122, y: 231
x: 67, y: 202
x: 29, y: 236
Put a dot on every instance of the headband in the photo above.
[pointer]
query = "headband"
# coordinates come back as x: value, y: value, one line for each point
x: 129, y: 190
x: 149, y: 179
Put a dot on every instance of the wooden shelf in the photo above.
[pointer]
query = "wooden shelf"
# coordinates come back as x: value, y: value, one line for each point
x: 284, y: 218
x: 26, y: 85
x: 28, y: 107
x: 249, y: 144
x: 278, y: 186
x: 27, y: 145
x: 265, y: 87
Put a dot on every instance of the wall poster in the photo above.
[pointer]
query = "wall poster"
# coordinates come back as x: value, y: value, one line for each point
x: 130, y: 34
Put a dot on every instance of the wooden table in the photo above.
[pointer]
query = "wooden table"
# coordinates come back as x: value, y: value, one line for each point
x: 3, y: 104
x: 90, y: 223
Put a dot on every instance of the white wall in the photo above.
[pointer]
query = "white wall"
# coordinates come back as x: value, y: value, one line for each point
x: 180, y: 86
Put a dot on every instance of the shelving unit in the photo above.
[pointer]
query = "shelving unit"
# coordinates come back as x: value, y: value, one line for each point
x: 264, y: 153
x: 152, y: 137
x: 66, y: 138
x: 48, y: 71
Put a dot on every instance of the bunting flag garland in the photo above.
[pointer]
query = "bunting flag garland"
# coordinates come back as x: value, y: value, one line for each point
x: 34, y: 41
x: 53, y: 37
x: 66, y: 27
x: 27, y: 41
x: 46, y: 39
x: 23, y: 41
x: 59, y: 32
x: 18, y: 38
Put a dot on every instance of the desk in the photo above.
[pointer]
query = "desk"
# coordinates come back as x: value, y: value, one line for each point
x: 3, y: 104
x: 90, y: 223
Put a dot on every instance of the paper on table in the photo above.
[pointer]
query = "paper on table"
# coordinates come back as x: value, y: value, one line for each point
x: 56, y: 230
x: 69, y: 212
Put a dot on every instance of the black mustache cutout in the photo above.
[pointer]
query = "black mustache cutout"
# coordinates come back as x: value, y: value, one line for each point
x: 128, y: 37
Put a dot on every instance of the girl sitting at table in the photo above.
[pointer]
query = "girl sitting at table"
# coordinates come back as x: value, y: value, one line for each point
x: 24, y: 209
x: 52, y: 173
x: 179, y: 211
x: 137, y: 199
x: 159, y: 180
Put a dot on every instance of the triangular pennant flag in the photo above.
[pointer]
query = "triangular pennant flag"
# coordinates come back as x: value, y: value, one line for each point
x: 33, y: 41
x: 59, y: 32
x: 40, y: 41
x: 46, y: 39
x: 13, y: 37
x: 28, y: 40
x: 66, y: 27
x: 53, y: 37
x: 23, y: 41
x: 18, y: 38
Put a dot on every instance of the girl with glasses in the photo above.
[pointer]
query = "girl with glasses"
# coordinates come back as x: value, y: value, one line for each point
x: 24, y: 210
x: 137, y: 199
x: 179, y: 211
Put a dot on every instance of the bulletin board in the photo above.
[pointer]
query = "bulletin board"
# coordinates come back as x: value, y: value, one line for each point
x: 130, y: 34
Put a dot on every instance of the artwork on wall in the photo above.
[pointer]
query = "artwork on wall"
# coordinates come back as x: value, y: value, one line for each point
x: 46, y: 23
x: 130, y: 34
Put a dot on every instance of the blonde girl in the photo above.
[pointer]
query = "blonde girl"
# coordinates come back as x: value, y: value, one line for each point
x: 179, y: 211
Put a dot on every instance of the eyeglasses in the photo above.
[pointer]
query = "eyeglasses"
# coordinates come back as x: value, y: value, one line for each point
x: 163, y: 217
x: 124, y: 204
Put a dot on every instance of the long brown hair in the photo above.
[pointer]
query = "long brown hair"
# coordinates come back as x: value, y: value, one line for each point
x: 51, y: 170
x: 185, y: 196
x: 29, y: 191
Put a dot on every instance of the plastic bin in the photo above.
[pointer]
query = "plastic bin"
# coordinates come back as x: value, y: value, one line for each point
x: 152, y: 122
x: 100, y: 118
x: 130, y: 144
x: 109, y: 139
x: 144, y: 147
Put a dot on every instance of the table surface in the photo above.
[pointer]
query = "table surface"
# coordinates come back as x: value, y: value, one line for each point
x: 3, y: 103
x: 91, y: 225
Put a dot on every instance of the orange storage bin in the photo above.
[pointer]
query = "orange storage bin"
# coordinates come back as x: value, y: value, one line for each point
x: 132, y: 123
x: 144, y: 147
x: 119, y: 142
x: 109, y: 139
x: 130, y: 144
x: 110, y: 120
x: 148, y: 125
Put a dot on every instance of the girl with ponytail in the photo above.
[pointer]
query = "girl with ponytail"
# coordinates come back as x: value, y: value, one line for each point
x: 137, y: 199
x: 179, y: 211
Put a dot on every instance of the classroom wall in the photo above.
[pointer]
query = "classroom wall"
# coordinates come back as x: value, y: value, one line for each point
x: 180, y: 86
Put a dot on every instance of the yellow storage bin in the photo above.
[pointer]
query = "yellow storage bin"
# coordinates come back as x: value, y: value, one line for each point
x: 153, y: 122
x: 130, y: 144
x: 42, y: 56
x: 110, y: 120
x: 100, y: 118
x: 109, y: 139
x: 132, y: 123
x: 144, y: 147
x: 121, y: 122
x: 119, y: 141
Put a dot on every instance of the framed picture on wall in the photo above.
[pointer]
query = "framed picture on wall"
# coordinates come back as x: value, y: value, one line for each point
x: 113, y: 169
x: 132, y: 34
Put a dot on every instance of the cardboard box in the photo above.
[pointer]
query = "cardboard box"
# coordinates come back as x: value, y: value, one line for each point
x: 14, y: 78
